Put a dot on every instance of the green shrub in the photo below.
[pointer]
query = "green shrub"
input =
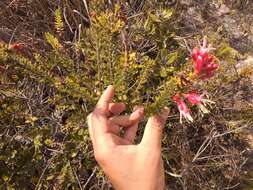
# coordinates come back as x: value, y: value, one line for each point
x: 46, y: 97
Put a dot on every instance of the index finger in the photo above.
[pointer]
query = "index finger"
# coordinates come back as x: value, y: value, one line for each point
x: 102, y: 106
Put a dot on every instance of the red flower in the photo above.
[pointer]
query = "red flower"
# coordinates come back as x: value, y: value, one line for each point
x: 183, y: 109
x: 193, y: 98
x: 196, y: 99
x: 205, y: 63
x: 17, y: 47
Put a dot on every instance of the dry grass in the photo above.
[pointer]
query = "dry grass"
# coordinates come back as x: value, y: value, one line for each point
x: 211, y: 154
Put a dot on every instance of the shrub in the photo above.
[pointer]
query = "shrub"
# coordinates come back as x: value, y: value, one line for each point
x: 45, y: 98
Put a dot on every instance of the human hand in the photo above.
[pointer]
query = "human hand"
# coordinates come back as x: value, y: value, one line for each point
x: 128, y: 166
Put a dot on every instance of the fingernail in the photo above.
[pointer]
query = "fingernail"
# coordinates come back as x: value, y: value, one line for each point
x: 166, y: 109
x: 165, y: 112
x: 136, y: 114
x: 108, y: 87
x: 141, y: 109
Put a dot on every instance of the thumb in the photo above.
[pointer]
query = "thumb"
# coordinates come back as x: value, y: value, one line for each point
x: 154, y: 128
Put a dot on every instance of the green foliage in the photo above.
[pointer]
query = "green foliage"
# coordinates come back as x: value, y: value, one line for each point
x: 53, y: 41
x: 134, y: 72
x: 59, y: 25
x: 45, y: 98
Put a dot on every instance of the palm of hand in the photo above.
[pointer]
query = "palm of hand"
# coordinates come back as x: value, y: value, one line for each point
x: 128, y: 166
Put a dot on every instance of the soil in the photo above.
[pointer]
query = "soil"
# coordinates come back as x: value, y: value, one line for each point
x: 230, y: 18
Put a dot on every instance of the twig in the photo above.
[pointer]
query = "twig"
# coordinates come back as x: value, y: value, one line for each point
x: 186, y: 44
x: 43, y: 172
x: 232, y: 131
x: 88, y: 180
x: 77, y: 178
x: 232, y: 186
x: 204, y: 146
x: 83, y: 17
x: 173, y: 175
x: 136, y: 15
x: 213, y: 157
x: 12, y: 35
x: 79, y: 33
x: 86, y: 8
x: 125, y: 43
x: 66, y: 20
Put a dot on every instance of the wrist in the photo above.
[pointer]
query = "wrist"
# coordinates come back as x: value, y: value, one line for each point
x: 143, y: 186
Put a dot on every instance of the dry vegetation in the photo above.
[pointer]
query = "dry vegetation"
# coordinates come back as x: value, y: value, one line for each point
x: 49, y: 86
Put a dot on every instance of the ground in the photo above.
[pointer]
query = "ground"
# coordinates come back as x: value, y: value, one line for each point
x: 231, y: 143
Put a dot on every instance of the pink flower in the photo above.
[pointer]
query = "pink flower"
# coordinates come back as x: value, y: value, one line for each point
x: 18, y: 47
x: 205, y: 63
x: 193, y: 98
x: 196, y: 99
x: 183, y: 109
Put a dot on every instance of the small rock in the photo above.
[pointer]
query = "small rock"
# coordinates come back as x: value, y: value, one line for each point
x: 194, y: 15
x: 223, y: 10
x: 246, y: 64
x: 185, y: 2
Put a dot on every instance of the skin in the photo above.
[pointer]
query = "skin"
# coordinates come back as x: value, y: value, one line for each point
x: 127, y: 165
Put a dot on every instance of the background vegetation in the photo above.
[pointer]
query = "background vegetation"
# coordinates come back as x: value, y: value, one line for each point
x: 56, y: 58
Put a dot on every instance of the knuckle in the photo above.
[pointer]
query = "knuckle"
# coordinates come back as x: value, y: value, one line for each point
x: 157, y: 123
